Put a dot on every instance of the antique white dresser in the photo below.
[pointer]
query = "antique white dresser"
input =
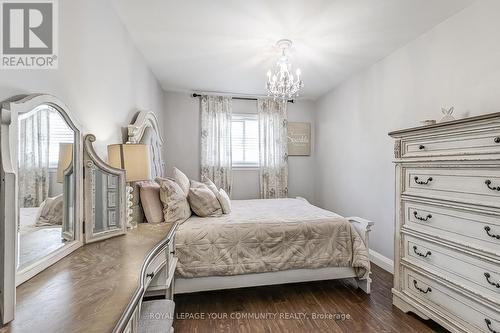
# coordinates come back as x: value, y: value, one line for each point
x: 447, y: 223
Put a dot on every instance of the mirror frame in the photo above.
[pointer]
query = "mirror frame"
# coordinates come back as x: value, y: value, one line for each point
x: 92, y: 162
x: 10, y: 110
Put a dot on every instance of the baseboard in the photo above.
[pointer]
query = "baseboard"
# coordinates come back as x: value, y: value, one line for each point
x: 383, y: 262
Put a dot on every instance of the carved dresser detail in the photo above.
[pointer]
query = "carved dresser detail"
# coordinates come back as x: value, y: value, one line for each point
x: 447, y: 223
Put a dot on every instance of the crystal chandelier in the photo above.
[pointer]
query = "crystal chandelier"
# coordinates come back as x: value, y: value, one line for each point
x: 280, y: 82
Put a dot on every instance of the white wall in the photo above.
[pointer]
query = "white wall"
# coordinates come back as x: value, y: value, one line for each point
x: 182, y: 127
x: 455, y: 64
x: 102, y: 77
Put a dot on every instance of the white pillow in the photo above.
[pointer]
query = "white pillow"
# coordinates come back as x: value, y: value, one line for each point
x: 50, y: 212
x: 182, y: 180
x: 224, y: 201
x: 211, y: 186
x: 203, y: 201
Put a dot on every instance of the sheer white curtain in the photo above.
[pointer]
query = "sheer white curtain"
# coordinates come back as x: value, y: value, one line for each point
x: 216, y: 161
x: 34, y: 159
x: 273, y: 149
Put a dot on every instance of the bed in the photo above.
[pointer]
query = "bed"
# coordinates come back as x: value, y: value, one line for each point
x: 262, y: 242
x: 37, y: 240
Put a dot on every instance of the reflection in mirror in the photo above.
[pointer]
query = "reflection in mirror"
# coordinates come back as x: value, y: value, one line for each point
x: 107, y: 212
x: 46, y: 182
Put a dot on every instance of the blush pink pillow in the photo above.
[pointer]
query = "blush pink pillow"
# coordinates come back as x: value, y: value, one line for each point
x: 150, y: 201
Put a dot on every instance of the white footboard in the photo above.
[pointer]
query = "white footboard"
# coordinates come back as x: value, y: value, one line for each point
x: 363, y: 227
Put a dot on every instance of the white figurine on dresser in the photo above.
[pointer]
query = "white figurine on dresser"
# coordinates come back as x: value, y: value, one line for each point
x: 447, y: 223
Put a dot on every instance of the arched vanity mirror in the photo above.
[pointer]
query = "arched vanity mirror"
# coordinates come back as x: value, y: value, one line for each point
x: 41, y: 184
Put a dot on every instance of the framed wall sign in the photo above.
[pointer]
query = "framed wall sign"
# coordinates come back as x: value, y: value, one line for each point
x: 299, y: 139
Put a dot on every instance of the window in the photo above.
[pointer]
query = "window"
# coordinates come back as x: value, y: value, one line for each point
x: 59, y: 132
x: 245, y: 140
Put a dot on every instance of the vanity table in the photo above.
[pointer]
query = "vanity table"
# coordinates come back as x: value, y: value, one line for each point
x: 67, y: 261
x: 99, y: 287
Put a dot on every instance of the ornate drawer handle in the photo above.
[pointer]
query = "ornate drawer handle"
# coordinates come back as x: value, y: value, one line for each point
x: 421, y: 254
x: 421, y: 147
x: 429, y: 216
x: 488, y: 323
x: 488, y: 183
x: 497, y: 139
x: 488, y: 276
x: 172, y: 252
x: 428, y: 290
x: 488, y: 229
x: 150, y: 275
x: 421, y: 182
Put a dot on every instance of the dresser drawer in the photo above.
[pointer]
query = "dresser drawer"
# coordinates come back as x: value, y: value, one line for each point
x: 481, y: 142
x: 479, y: 276
x: 155, y: 266
x: 440, y: 298
x: 478, y: 230
x: 163, y: 279
x: 479, y: 186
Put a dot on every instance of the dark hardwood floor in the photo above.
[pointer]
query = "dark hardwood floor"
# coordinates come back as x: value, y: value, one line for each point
x: 292, y: 307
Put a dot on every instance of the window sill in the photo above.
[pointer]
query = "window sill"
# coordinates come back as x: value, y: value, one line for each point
x: 246, y: 168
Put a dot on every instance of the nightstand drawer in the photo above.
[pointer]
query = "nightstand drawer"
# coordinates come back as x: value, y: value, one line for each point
x: 475, y: 274
x: 441, y: 298
x: 480, y: 229
x: 479, y: 186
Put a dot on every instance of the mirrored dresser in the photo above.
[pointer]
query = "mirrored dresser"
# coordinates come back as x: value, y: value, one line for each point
x: 447, y: 223
x: 68, y: 263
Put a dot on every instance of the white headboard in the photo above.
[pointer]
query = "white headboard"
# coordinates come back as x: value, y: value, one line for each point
x: 146, y: 130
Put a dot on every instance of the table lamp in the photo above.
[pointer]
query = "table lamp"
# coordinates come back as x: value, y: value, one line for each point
x: 134, y: 159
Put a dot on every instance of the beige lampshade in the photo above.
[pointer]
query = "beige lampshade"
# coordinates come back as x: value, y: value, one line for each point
x: 133, y: 158
x: 65, y: 159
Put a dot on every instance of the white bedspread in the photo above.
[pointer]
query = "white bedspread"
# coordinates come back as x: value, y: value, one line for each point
x: 268, y: 235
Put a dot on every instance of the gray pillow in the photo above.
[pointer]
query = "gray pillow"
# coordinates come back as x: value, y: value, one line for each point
x: 203, y: 201
x: 175, y: 205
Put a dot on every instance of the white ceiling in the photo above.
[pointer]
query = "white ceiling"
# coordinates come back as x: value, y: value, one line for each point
x: 228, y: 45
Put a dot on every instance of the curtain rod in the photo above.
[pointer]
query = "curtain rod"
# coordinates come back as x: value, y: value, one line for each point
x: 241, y: 98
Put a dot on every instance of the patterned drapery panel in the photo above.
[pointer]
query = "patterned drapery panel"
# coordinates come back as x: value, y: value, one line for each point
x: 34, y: 159
x: 216, y: 112
x: 273, y: 149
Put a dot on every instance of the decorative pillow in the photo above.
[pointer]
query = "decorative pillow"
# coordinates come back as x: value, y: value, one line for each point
x: 182, y: 180
x: 224, y: 201
x: 211, y: 186
x: 203, y: 201
x: 50, y: 212
x: 150, y: 201
x: 175, y: 205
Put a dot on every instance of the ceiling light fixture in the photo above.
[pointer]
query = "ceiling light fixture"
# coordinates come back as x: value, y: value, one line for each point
x: 281, y: 84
